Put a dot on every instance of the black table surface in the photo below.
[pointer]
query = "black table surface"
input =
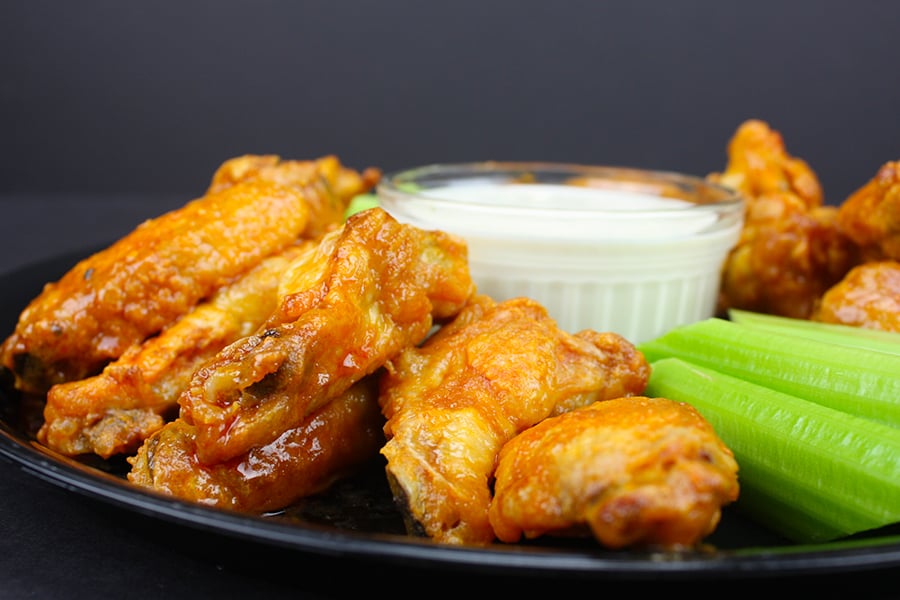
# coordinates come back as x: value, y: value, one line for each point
x: 55, y: 543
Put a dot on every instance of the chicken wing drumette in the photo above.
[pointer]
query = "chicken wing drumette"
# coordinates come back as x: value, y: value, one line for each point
x: 787, y: 256
x: 869, y: 297
x: 634, y: 471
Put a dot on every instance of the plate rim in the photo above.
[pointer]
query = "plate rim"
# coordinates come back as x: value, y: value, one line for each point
x: 840, y: 556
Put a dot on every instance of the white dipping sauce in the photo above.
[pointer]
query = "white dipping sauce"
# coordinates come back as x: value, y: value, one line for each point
x: 599, y: 258
x: 556, y: 211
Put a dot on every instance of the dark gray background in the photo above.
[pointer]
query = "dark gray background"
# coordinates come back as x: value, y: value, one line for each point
x: 112, y: 112
x: 132, y: 97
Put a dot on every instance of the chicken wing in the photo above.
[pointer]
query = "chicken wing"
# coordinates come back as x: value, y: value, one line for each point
x: 759, y: 164
x: 143, y: 282
x: 632, y: 471
x: 452, y: 403
x: 869, y: 296
x: 790, y: 250
x: 114, y: 411
x: 871, y: 215
x: 340, y: 184
x: 787, y: 256
x: 371, y: 288
x: 330, y: 443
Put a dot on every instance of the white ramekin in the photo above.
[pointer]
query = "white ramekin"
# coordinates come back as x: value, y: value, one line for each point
x: 607, y: 248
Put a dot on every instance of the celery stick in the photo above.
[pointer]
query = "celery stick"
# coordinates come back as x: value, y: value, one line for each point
x: 858, y: 337
x: 808, y: 472
x: 861, y: 382
x: 360, y: 203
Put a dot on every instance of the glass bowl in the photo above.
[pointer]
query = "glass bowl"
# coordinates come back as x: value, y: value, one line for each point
x: 617, y: 249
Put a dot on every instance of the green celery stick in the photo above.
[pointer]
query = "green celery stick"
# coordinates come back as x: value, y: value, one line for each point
x: 360, y: 203
x: 862, y: 382
x: 808, y: 472
x: 847, y: 335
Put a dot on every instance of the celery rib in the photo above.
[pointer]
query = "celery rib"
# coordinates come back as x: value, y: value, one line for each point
x: 862, y: 382
x: 808, y: 472
x: 847, y: 335
x: 360, y: 203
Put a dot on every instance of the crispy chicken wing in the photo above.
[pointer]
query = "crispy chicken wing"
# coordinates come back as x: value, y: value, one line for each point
x: 633, y: 471
x: 869, y: 296
x: 371, y: 288
x: 114, y: 411
x: 143, y: 282
x: 790, y: 250
x: 340, y: 184
x: 759, y: 164
x: 452, y: 403
x: 787, y: 256
x: 871, y: 215
x: 330, y: 443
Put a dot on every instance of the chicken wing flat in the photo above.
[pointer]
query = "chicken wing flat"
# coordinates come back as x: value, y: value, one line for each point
x: 131, y: 290
x: 871, y: 215
x: 371, y: 288
x: 453, y: 402
x: 114, y: 411
x: 869, y: 297
x: 339, y: 184
x: 790, y: 250
x: 331, y: 443
x: 634, y: 471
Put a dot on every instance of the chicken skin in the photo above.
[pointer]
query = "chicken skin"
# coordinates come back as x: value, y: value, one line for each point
x: 759, y: 164
x: 871, y: 215
x: 787, y: 256
x: 120, y: 296
x: 332, y: 442
x: 869, y: 297
x: 114, y: 411
x: 453, y: 402
x: 134, y: 288
x: 370, y: 289
x: 338, y: 184
x: 791, y: 249
x: 634, y: 471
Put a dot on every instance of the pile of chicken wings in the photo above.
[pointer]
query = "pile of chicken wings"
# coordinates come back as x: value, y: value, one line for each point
x: 798, y: 257
x: 256, y: 345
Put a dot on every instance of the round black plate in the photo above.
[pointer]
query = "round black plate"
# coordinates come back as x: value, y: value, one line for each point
x: 356, y: 518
